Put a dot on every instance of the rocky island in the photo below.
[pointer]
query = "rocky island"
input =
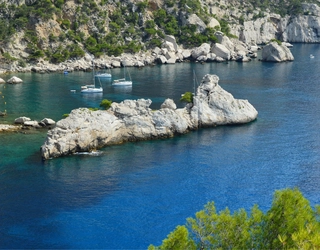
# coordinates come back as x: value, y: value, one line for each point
x: 132, y: 120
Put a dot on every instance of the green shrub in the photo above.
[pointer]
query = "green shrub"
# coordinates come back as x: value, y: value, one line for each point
x: 59, y: 3
x: 290, y: 223
x: 8, y: 57
x: 142, y: 6
x: 105, y: 103
x: 93, y: 109
x: 154, y: 42
x: 276, y: 40
x: 65, y: 24
x: 187, y: 97
x: 75, y: 51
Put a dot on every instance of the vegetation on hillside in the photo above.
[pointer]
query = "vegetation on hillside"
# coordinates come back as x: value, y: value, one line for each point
x: 290, y: 223
x: 287, y: 7
x: 100, y: 27
x: 113, y: 27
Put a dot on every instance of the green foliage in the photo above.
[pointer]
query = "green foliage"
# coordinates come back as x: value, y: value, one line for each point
x: 142, y: 6
x: 290, y: 223
x: 290, y: 214
x: 65, y: 23
x: 114, y: 27
x: 276, y: 40
x: 36, y: 54
x: 117, y: 17
x: 93, y: 109
x: 105, y: 103
x: 187, y: 97
x: 154, y: 42
x: 65, y: 115
x: 289, y: 7
x: 75, y: 51
x: 60, y: 55
x: 8, y: 57
x: 178, y: 240
x: 59, y: 3
x: 132, y: 47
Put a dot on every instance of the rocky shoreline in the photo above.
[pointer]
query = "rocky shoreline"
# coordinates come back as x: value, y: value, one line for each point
x: 132, y: 120
x: 224, y: 50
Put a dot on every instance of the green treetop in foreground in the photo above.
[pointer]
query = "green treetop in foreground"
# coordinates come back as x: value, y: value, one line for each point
x: 290, y: 223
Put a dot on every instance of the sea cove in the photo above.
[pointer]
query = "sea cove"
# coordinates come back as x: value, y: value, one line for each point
x: 132, y: 195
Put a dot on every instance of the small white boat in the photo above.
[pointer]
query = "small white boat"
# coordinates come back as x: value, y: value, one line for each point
x: 91, y: 88
x: 103, y: 75
x: 311, y: 56
x: 123, y: 81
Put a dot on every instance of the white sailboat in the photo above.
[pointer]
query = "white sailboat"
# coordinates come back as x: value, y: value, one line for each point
x: 123, y: 81
x: 104, y: 74
x: 91, y: 88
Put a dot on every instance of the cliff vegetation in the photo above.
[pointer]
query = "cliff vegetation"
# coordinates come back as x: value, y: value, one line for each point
x: 58, y: 30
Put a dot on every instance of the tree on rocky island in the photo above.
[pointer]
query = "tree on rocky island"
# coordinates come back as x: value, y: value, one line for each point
x: 105, y: 103
x: 290, y: 223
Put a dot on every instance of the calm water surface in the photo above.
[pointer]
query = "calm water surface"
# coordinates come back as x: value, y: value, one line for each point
x: 129, y: 196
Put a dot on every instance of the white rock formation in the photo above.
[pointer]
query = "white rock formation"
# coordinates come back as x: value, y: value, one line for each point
x: 221, y: 51
x: 48, y: 121
x: 273, y: 52
x: 193, y: 19
x: 215, y: 106
x: 21, y: 120
x: 14, y: 79
x: 213, y: 23
x: 172, y: 40
x: 202, y: 50
x: 132, y: 120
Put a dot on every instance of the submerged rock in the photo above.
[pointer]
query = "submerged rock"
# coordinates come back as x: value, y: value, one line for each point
x: 132, y: 120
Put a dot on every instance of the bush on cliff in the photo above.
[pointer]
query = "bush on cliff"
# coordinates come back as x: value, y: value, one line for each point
x: 290, y: 223
x: 187, y: 97
x: 105, y: 103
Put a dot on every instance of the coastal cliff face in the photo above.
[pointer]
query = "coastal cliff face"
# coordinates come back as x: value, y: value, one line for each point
x: 37, y: 32
x: 132, y: 120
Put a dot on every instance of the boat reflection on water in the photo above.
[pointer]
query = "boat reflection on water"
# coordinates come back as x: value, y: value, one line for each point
x: 123, y: 89
x: 93, y: 97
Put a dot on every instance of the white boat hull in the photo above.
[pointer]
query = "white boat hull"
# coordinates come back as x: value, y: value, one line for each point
x: 92, y: 90
x: 124, y: 83
x: 105, y: 75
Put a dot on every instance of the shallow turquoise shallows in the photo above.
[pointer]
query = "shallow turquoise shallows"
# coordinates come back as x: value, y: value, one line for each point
x: 132, y: 195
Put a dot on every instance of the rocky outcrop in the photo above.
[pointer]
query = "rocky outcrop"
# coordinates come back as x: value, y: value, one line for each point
x: 9, y: 128
x: 133, y: 120
x: 275, y: 52
x: 14, y: 80
x: 26, y: 122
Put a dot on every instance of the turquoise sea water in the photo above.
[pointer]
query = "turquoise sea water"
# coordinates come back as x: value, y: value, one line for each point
x: 132, y: 195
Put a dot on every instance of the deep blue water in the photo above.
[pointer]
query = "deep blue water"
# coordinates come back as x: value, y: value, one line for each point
x: 133, y: 195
